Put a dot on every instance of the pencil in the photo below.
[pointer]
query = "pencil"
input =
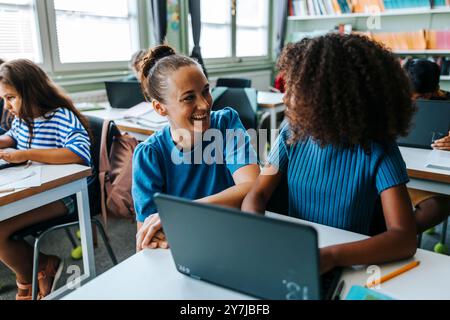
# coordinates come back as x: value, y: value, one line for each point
x: 393, y: 274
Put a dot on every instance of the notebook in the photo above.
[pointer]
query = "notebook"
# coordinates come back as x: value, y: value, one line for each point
x: 439, y: 159
x: 363, y: 293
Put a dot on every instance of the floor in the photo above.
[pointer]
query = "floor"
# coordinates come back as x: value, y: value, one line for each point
x: 122, y: 237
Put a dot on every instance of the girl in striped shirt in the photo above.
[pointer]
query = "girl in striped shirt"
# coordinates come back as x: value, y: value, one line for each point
x: 47, y: 129
x: 347, y: 101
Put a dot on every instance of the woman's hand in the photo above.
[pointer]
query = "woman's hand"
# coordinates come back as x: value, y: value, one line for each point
x: 442, y: 144
x: 150, y: 234
x: 14, y: 156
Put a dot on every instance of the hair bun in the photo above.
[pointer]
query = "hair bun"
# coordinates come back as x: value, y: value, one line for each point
x: 153, y: 56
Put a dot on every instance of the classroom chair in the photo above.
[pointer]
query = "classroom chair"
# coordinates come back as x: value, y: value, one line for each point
x: 243, y: 100
x: 40, y: 230
x: 234, y: 82
x: 441, y: 246
x: 279, y: 201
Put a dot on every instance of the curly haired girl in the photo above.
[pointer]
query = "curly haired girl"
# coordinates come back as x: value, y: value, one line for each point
x: 347, y: 101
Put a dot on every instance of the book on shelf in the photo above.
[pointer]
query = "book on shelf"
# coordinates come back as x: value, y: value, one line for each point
x: 412, y: 40
x: 407, y: 4
x: 438, y: 39
x: 439, y: 3
x: 367, y: 6
x: 300, y: 7
x: 415, y: 40
x: 336, y: 7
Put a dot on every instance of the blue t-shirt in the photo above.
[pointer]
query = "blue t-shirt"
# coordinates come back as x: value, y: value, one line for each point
x: 337, y: 186
x: 159, y: 166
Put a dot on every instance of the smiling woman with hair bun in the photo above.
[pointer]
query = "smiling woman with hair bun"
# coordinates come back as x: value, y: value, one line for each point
x: 166, y: 162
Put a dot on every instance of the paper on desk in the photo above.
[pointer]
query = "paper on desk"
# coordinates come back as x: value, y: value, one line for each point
x: 138, y: 110
x: 87, y: 106
x: 439, y: 159
x: 20, y: 177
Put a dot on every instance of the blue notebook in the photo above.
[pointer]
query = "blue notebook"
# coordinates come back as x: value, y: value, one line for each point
x: 363, y: 293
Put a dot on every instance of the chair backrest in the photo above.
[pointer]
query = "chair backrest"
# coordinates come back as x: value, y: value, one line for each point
x: 234, y: 82
x: 243, y: 100
x: 279, y: 201
x: 96, y: 126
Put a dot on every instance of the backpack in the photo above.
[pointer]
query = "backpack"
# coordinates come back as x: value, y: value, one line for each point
x: 115, y: 172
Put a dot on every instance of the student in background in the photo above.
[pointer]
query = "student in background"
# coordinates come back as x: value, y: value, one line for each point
x: 167, y: 161
x: 279, y: 83
x: 347, y: 101
x: 431, y: 208
x: 424, y: 76
x: 135, y: 65
x: 48, y: 129
x: 5, y: 117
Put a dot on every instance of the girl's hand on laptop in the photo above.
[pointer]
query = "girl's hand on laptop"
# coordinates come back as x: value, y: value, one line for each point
x: 442, y: 144
x: 150, y: 234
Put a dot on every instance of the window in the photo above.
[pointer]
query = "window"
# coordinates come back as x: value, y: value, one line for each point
x: 233, y: 28
x: 19, y: 35
x: 95, y: 31
x: 252, y: 28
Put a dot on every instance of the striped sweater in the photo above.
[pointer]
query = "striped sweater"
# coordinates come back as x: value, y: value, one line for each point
x: 59, y: 129
x: 337, y: 186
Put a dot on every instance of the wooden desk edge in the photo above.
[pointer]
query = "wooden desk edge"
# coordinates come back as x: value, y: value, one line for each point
x: 136, y: 130
x: 438, y: 177
x: 28, y: 192
x: 269, y: 105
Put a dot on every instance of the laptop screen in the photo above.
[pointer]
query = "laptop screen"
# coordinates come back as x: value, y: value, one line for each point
x: 431, y: 121
x: 257, y: 255
x: 124, y: 94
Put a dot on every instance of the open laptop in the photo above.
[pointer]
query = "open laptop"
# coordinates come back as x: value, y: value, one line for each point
x: 431, y: 119
x: 124, y: 94
x: 5, y: 164
x: 257, y: 255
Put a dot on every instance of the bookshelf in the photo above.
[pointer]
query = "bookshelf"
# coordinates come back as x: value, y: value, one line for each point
x: 397, y: 12
x: 422, y: 52
x: 390, y: 20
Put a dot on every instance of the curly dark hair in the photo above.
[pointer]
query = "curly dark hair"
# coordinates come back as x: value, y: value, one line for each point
x: 345, y: 90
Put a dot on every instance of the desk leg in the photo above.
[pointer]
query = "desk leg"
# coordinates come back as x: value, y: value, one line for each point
x: 86, y: 231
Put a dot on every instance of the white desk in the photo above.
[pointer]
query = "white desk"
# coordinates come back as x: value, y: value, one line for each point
x: 151, y: 274
x: 422, y: 177
x: 137, y: 130
x: 271, y: 102
x: 58, y: 181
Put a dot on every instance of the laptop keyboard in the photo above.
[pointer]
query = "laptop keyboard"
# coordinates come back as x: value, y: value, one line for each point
x: 329, y: 282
